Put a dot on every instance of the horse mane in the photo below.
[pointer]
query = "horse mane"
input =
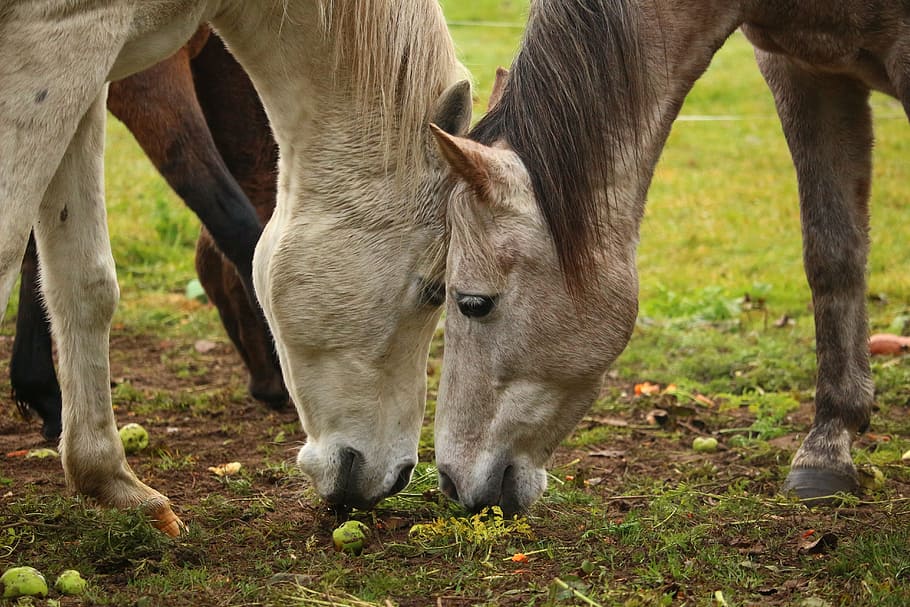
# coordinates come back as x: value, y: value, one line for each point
x: 570, y: 110
x: 399, y: 54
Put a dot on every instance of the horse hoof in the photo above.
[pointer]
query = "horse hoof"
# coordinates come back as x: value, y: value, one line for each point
x: 164, y: 520
x: 817, y: 486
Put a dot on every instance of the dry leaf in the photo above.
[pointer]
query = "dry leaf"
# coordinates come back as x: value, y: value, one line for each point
x: 824, y: 544
x: 204, y: 346
x: 226, y: 469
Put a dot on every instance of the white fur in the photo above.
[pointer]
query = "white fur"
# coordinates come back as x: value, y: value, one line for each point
x: 337, y: 282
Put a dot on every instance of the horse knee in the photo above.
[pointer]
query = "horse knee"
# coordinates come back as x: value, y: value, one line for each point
x: 88, y: 299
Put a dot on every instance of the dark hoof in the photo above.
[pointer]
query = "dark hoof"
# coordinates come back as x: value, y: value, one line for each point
x: 818, y: 487
x: 275, y: 404
x: 275, y: 398
x: 51, y: 425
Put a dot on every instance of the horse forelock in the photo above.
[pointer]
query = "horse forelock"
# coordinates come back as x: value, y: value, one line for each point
x: 399, y: 54
x: 575, y: 94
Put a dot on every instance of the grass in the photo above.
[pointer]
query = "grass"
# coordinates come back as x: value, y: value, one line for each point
x: 632, y: 516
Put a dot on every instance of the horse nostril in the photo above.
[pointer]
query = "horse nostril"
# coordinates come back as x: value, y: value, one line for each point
x: 347, y: 480
x: 447, y: 486
x: 349, y: 464
x: 404, y: 477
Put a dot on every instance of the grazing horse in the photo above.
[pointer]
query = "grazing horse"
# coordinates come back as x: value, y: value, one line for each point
x: 201, y: 124
x: 541, y: 275
x: 349, y: 287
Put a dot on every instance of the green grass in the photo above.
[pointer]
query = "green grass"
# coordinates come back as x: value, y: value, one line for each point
x: 664, y: 528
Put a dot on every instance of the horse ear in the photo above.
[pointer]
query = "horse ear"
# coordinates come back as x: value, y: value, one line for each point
x: 467, y: 159
x: 499, y: 85
x: 452, y: 113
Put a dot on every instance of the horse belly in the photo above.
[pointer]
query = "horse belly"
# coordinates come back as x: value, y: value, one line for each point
x: 158, y: 30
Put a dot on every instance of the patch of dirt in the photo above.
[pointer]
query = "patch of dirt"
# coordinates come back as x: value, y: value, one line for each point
x: 206, y: 416
x: 195, y: 406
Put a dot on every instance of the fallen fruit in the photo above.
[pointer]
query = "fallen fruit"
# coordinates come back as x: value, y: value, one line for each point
x: 704, y: 444
x: 70, y: 582
x: 350, y: 537
x: 134, y: 438
x: 886, y: 343
x: 23, y: 581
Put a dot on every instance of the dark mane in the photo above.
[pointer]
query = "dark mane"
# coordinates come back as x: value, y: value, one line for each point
x: 575, y: 92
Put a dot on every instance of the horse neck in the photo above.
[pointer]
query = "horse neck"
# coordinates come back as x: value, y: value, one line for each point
x: 339, y: 90
x: 589, y: 105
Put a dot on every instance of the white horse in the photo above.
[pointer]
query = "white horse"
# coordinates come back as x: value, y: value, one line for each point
x: 541, y: 271
x: 349, y: 287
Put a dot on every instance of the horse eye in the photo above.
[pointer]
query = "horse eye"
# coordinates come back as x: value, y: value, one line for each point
x: 475, y: 306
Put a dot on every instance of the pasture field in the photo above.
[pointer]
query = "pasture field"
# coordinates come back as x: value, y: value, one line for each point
x: 634, y: 516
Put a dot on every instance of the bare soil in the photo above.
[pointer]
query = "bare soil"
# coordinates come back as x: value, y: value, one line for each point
x: 202, y: 417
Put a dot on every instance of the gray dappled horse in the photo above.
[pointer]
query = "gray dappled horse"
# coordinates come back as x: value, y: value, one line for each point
x: 349, y: 87
x: 541, y: 271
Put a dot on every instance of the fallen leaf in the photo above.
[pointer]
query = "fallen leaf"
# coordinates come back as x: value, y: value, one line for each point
x: 824, y: 544
x: 657, y: 417
x: 393, y: 522
x: 701, y: 398
x: 203, y: 346
x: 225, y: 469
x: 42, y: 453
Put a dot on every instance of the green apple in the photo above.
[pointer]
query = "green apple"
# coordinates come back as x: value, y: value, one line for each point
x: 70, y: 582
x: 350, y: 537
x: 23, y: 581
x: 704, y: 444
x: 134, y: 438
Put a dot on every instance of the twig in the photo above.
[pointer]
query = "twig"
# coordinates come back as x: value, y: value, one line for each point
x: 576, y: 593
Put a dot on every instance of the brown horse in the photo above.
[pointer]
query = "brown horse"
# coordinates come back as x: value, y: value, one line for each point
x: 199, y: 120
x: 541, y: 270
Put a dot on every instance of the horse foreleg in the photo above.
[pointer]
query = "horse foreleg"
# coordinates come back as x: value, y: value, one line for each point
x: 244, y: 325
x: 827, y: 122
x: 159, y: 106
x: 80, y: 288
x: 31, y: 367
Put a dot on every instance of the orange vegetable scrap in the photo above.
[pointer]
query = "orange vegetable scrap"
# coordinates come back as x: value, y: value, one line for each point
x: 520, y: 557
x: 646, y: 389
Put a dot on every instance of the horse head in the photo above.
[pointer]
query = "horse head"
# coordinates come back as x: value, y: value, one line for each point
x: 525, y: 354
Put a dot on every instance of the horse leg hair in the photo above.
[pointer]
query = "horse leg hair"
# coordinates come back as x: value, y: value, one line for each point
x: 828, y: 125
x: 80, y: 288
x: 32, y: 375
